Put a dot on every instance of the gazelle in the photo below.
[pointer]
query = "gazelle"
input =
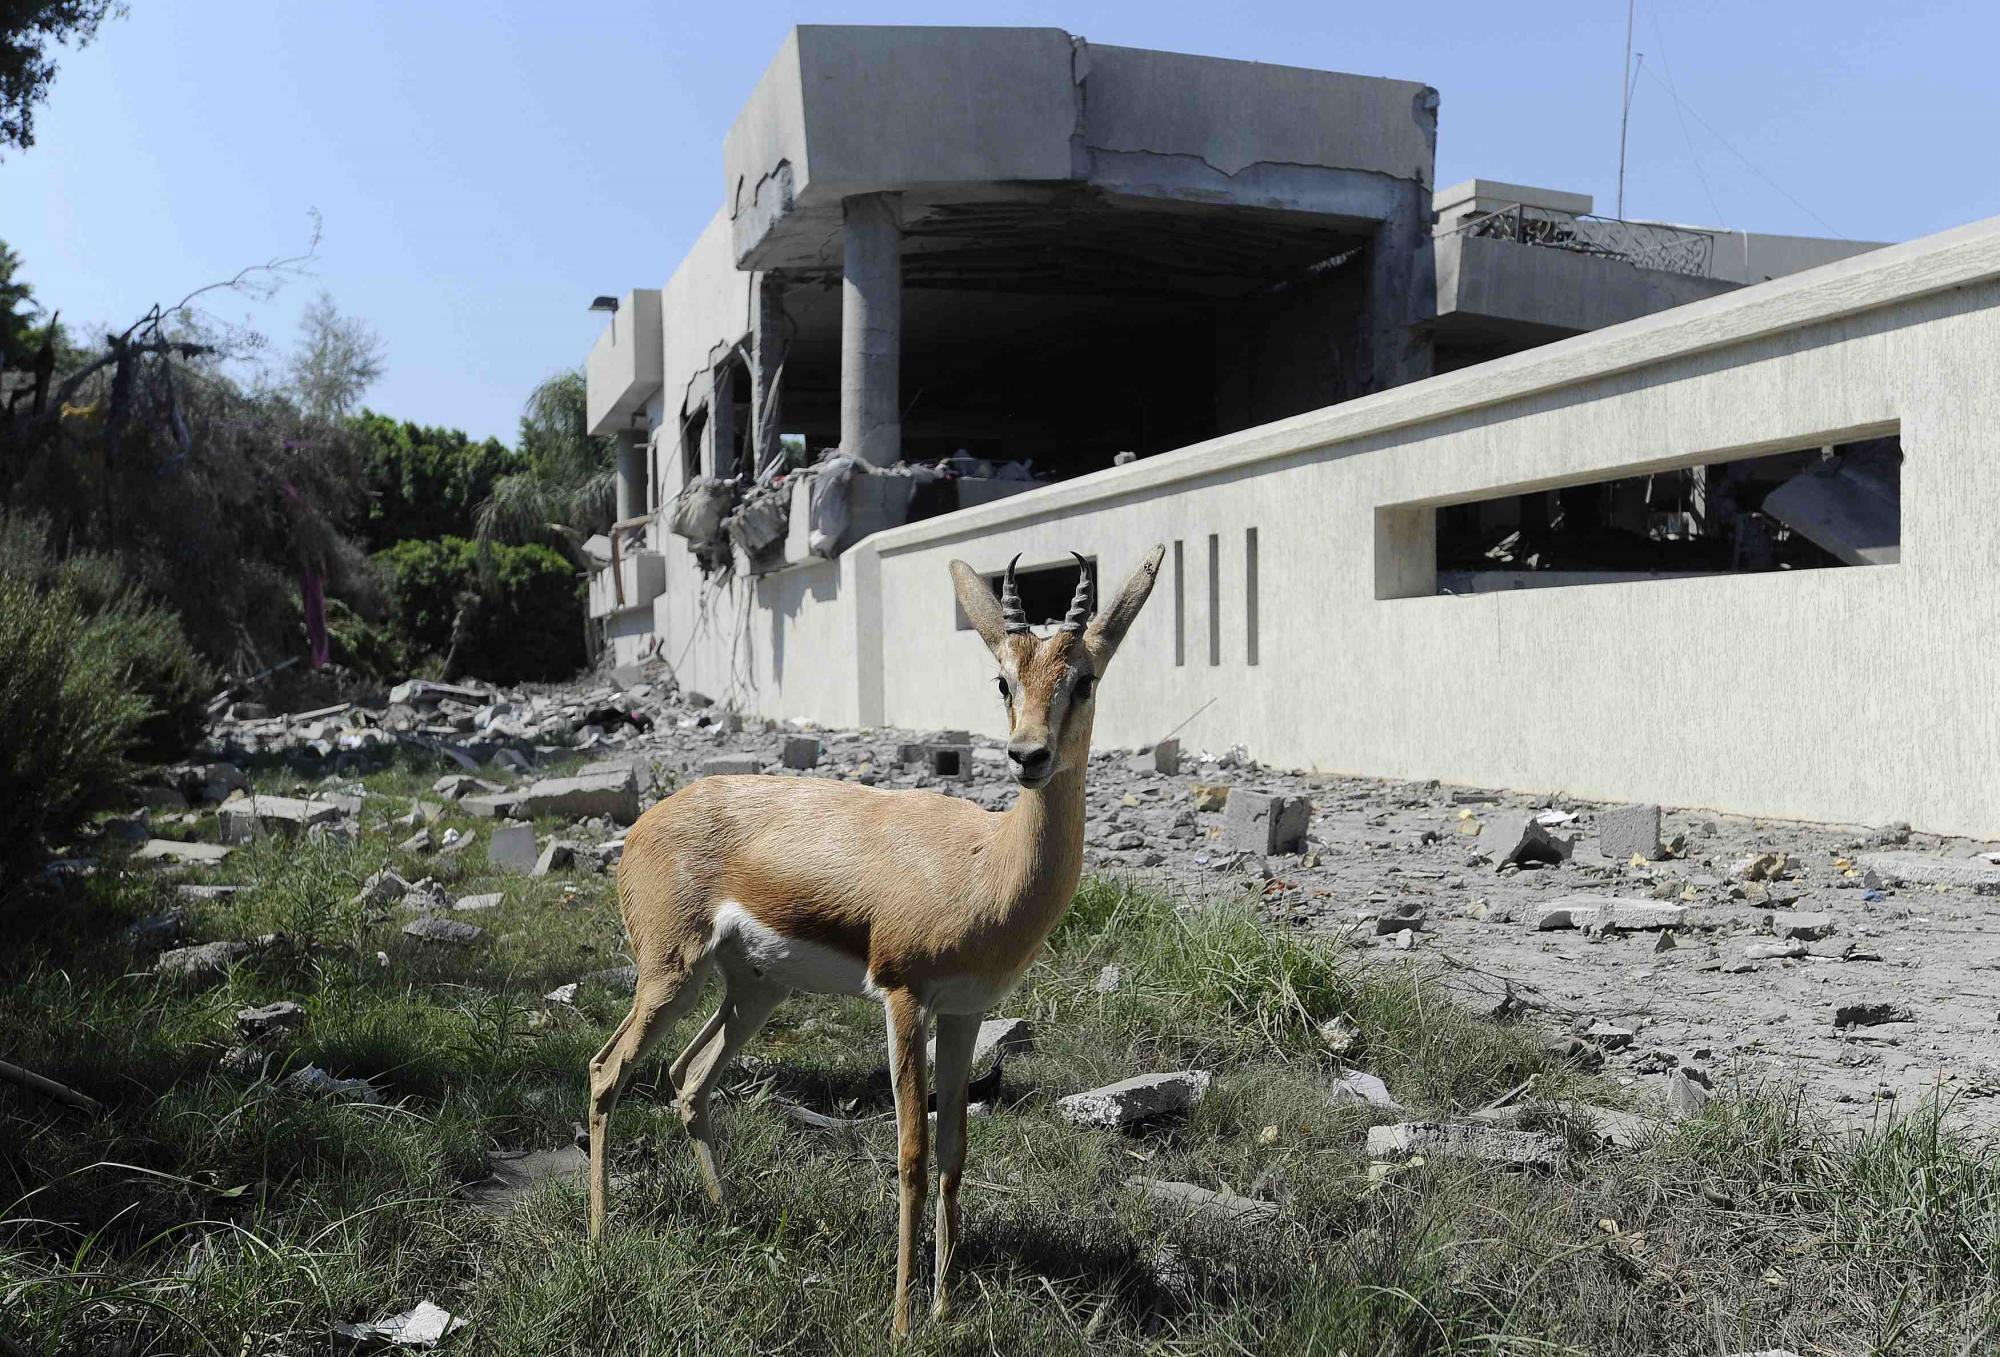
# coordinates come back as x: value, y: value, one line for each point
x: 927, y: 903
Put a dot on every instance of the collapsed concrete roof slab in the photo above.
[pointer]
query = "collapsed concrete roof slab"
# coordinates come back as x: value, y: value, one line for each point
x: 937, y: 113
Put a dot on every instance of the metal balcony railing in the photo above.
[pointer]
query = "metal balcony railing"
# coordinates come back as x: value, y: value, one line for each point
x: 1641, y: 244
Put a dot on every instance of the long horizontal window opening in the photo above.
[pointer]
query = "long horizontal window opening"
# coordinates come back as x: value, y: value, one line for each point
x: 1810, y: 508
x: 1046, y: 591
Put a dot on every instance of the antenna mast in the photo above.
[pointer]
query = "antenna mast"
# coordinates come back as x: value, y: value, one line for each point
x: 1624, y: 106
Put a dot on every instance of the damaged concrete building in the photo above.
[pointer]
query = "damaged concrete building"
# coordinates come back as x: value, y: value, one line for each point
x: 1467, y: 483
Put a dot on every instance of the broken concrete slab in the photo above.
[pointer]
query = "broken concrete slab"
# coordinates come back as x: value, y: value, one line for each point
x: 1226, y: 1207
x: 453, y: 932
x: 1685, y: 1097
x: 1358, y: 1086
x: 1515, y: 838
x: 491, y: 805
x: 1627, y: 832
x: 559, y: 854
x: 612, y: 793
x: 1608, y: 913
x: 473, y: 903
x: 1258, y: 822
x: 1132, y: 1101
x: 248, y: 817
x: 425, y: 693
x: 732, y: 765
x: 1167, y: 757
x: 201, y: 962
x: 172, y: 850
x: 1623, y: 1130
x: 1920, y: 869
x: 1869, y: 1012
x: 269, y: 1020
x: 513, y: 849
x: 1804, y: 925
x: 512, y: 1176
x: 1520, y: 1149
x: 314, y: 1082
x: 998, y: 1038
x: 800, y: 752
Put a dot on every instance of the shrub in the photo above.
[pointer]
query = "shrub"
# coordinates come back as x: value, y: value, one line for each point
x: 67, y: 714
x: 522, y: 606
x: 145, y: 648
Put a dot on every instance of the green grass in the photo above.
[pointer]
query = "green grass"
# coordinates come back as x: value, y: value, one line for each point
x: 210, y: 1213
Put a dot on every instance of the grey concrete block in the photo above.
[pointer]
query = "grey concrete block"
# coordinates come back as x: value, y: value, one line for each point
x: 492, y: 900
x: 1167, y: 757
x: 513, y: 848
x: 800, y: 751
x: 1258, y: 822
x: 1626, y: 832
x: 731, y: 765
x: 1524, y: 1149
x: 1131, y: 1101
x: 1608, y: 913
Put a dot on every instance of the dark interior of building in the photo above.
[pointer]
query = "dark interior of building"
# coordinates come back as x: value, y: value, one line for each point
x: 1803, y: 509
x: 1064, y: 330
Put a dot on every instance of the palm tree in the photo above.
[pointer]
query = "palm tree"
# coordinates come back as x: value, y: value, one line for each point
x: 567, y: 487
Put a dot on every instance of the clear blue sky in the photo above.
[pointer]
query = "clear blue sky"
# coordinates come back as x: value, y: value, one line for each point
x: 484, y: 169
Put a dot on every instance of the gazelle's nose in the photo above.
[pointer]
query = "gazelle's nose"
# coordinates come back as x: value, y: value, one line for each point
x: 1030, y: 761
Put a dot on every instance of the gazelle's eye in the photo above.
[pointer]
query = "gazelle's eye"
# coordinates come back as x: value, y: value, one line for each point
x: 1085, y: 686
x: 1002, y: 681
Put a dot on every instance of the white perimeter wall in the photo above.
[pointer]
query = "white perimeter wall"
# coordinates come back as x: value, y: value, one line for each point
x: 1859, y: 695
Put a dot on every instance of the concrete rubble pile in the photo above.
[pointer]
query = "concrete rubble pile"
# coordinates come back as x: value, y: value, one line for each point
x: 1717, y: 945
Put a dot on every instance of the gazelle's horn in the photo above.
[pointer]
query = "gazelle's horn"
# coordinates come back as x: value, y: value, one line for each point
x: 1082, y: 605
x: 1012, y: 615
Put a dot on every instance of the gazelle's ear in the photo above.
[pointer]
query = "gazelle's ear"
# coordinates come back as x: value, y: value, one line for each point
x: 976, y: 597
x: 1108, y: 629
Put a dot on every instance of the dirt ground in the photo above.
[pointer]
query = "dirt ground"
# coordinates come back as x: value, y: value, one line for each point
x: 1700, y: 999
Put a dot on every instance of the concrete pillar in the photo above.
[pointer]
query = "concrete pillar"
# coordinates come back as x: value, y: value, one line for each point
x: 1402, y: 293
x: 631, y: 476
x: 767, y: 361
x: 871, y: 328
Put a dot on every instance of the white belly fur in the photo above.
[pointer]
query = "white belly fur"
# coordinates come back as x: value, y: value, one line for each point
x: 792, y: 962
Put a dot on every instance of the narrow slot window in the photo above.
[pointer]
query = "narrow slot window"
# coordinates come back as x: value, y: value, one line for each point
x: 1180, y: 604
x: 1250, y: 595
x: 1214, y: 599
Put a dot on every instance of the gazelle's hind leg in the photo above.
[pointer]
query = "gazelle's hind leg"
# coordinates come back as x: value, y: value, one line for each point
x: 747, y: 1004
x: 659, y: 1001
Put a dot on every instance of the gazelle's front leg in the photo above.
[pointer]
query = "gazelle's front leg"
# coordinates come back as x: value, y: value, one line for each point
x: 906, y: 1070
x: 956, y: 1033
